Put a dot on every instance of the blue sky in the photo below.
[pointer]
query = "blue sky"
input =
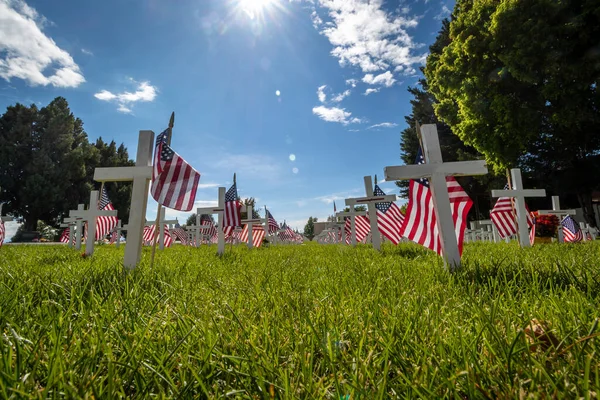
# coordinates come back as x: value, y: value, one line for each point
x: 301, y: 98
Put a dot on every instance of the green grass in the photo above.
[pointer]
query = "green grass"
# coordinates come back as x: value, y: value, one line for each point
x: 306, y: 322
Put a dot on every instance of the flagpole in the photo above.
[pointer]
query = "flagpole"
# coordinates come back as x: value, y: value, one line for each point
x: 512, y: 203
x: 158, y: 212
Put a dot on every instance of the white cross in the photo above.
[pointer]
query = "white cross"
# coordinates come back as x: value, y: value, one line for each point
x: 90, y: 215
x: 140, y: 175
x: 519, y: 194
x: 78, y: 225
x: 585, y: 229
x: 161, y: 229
x: 437, y: 170
x: 118, y: 229
x: 219, y: 210
x: 559, y: 213
x: 70, y: 223
x: 193, y: 232
x: 251, y: 222
x: 491, y: 230
x: 352, y: 214
x: 371, y: 201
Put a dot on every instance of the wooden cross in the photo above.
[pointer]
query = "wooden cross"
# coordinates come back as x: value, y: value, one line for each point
x: 491, y: 229
x: 251, y: 222
x: 219, y: 210
x: 193, y: 233
x: 78, y: 225
x: 587, y: 229
x: 70, y: 223
x: 559, y: 213
x: 436, y: 170
x: 118, y: 229
x: 371, y: 201
x: 519, y: 194
x: 140, y: 175
x: 352, y: 214
x: 90, y: 215
x: 161, y: 229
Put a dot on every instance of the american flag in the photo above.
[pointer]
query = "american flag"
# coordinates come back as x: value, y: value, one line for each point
x: 389, y: 218
x: 206, y: 220
x: 362, y: 226
x: 105, y: 224
x: 64, y: 237
x: 168, y: 237
x: 420, y: 223
x: 273, y: 225
x: 571, y: 230
x: 258, y: 232
x: 174, y: 181
x: 504, y: 218
x: 233, y: 207
x: 113, y: 236
x: 287, y: 233
x: 148, y: 235
x: 180, y: 234
x: 2, y: 232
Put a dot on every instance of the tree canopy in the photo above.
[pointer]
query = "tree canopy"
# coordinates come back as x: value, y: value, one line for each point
x: 47, y: 163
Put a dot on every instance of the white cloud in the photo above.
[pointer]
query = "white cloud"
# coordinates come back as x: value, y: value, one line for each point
x: 87, y: 52
x: 444, y: 12
x: 386, y: 79
x: 145, y: 93
x: 366, y: 36
x: 316, y: 20
x: 352, y: 82
x: 383, y: 125
x: 335, y: 114
x: 369, y: 91
x: 341, y: 96
x: 27, y: 53
x: 209, y: 185
x: 321, y: 93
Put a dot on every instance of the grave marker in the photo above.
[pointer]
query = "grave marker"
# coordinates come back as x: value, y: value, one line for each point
x: 161, y: 230
x: 140, y: 175
x: 560, y: 214
x: 371, y: 200
x: 519, y: 194
x: 90, y: 216
x: 78, y: 225
x: 352, y: 213
x: 436, y: 170
x: 251, y: 222
x: 219, y: 210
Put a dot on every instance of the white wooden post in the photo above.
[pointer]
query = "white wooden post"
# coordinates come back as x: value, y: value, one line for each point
x: 371, y: 202
x: 78, y: 225
x: 90, y: 215
x: 251, y: 222
x: 352, y: 213
x: 436, y: 170
x: 560, y: 214
x: 219, y: 210
x: 70, y: 223
x: 140, y: 175
x: 118, y: 230
x: 161, y: 229
x: 519, y: 194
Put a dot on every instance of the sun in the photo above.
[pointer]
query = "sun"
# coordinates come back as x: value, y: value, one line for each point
x: 256, y: 8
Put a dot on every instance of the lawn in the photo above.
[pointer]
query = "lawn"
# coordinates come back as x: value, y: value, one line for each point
x: 311, y: 321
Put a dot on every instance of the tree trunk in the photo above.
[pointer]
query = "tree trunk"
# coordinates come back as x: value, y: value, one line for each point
x: 31, y: 224
x: 585, y: 201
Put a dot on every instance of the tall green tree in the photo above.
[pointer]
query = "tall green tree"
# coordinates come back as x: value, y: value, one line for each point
x: 47, y: 163
x: 309, y: 228
x: 519, y: 82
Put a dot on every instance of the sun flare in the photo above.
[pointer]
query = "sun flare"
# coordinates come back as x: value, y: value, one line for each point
x: 256, y: 8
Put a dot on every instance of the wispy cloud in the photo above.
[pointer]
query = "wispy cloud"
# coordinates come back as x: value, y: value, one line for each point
x: 253, y: 166
x: 209, y: 185
x: 330, y: 198
x: 351, y: 82
x: 87, y: 52
x: 27, y: 53
x: 321, y: 93
x: 444, y: 12
x: 370, y: 91
x: 340, y: 96
x: 386, y: 79
x: 145, y: 92
x: 383, y: 125
x: 365, y: 35
x: 335, y: 114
